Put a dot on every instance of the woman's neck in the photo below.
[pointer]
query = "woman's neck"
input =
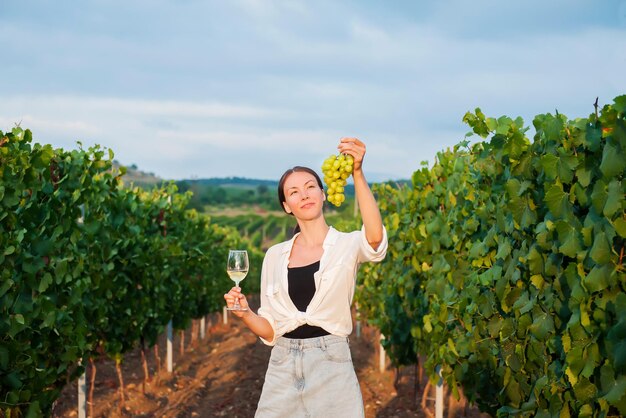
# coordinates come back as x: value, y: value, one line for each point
x: 313, y: 232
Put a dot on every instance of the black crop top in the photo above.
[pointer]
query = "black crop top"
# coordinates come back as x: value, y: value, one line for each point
x: 301, y: 285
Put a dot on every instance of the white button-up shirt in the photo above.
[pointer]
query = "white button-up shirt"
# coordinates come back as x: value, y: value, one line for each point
x: 334, y: 284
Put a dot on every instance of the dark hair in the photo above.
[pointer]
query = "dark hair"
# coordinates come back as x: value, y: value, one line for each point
x: 281, y: 186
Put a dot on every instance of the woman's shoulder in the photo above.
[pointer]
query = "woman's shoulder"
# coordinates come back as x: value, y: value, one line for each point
x: 344, y: 234
x: 343, y: 238
x: 356, y: 237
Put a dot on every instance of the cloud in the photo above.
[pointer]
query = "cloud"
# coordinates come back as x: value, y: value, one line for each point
x: 57, y: 127
x: 271, y: 10
x: 248, y: 87
x: 152, y: 132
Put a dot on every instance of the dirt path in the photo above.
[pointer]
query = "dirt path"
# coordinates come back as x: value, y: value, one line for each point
x: 222, y: 376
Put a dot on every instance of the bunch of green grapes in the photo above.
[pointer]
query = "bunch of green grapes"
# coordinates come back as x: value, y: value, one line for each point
x: 337, y: 169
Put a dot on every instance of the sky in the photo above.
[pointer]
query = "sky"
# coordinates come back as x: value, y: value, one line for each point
x: 248, y: 88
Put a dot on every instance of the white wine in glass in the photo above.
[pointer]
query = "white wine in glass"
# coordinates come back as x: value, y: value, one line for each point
x: 237, y: 269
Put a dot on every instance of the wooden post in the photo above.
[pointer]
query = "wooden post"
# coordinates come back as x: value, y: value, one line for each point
x: 439, y: 395
x: 202, y: 327
x: 225, y: 315
x: 82, y: 395
x: 381, y: 357
x: 170, y: 343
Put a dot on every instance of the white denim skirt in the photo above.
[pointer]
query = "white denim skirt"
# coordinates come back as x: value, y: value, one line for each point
x: 311, y: 377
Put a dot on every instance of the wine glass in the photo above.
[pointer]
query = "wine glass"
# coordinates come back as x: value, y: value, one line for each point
x: 237, y: 269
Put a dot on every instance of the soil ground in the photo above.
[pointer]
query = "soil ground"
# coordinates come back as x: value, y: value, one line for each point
x: 222, y: 376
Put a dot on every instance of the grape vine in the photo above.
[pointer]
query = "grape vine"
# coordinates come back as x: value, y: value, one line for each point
x: 88, y: 267
x: 506, y: 266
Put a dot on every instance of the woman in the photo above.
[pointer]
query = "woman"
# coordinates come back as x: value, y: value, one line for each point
x: 307, y: 285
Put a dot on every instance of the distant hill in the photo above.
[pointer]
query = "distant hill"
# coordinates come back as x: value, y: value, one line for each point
x: 136, y: 177
x: 233, y: 182
x: 243, y: 183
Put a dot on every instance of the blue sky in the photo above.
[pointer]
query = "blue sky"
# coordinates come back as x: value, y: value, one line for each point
x: 248, y: 88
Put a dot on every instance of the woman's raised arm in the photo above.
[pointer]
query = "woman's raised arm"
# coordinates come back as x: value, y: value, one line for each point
x: 372, y: 221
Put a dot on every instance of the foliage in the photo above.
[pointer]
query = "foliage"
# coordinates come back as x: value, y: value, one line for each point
x: 265, y: 230
x: 87, y: 266
x: 237, y: 192
x: 506, y: 266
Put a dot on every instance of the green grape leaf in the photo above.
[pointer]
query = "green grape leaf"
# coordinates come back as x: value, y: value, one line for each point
x: 613, y: 160
x: 46, y: 280
x: 598, y: 278
x: 620, y: 227
x: 584, y: 176
x: 504, y: 249
x: 599, y: 196
x: 542, y: 326
x: 535, y: 261
x: 584, y: 390
x: 601, y: 249
x: 556, y: 199
x: 477, y: 122
x: 5, y: 286
x: 514, y: 392
x: 549, y: 165
x: 615, y: 198
x: 620, y: 103
x: 570, y: 239
x: 615, y: 389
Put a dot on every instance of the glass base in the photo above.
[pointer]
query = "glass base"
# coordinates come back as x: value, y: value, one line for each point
x: 237, y: 308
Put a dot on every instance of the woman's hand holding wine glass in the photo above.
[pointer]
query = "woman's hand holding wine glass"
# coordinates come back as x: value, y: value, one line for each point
x: 237, y: 269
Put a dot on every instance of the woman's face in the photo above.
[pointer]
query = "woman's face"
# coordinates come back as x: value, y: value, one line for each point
x: 303, y: 196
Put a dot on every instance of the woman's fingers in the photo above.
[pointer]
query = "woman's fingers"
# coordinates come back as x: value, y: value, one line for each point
x: 354, y: 147
x: 351, y: 144
x: 235, y: 293
x: 351, y: 140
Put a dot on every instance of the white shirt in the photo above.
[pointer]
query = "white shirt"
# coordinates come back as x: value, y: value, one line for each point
x: 334, y: 284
